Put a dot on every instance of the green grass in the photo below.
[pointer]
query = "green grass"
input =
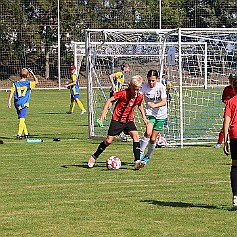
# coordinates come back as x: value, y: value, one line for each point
x: 47, y: 189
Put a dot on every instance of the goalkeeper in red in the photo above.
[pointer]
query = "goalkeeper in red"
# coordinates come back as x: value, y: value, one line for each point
x: 227, y: 94
x: 21, y: 90
x: 123, y: 119
x: 230, y: 129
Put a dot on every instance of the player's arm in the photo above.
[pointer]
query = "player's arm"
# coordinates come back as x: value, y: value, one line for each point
x: 111, y: 78
x: 33, y: 75
x: 10, y: 97
x: 70, y: 84
x: 157, y: 105
x: 106, y: 106
x: 226, y: 126
x: 141, y: 109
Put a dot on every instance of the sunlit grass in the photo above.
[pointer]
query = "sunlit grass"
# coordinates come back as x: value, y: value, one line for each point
x: 47, y: 189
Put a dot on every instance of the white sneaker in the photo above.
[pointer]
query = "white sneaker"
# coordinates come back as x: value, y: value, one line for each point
x: 217, y: 145
x: 91, y: 162
x: 235, y: 202
x: 139, y: 164
x: 83, y: 111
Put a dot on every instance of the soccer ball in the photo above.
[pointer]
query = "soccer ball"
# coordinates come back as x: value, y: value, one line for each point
x: 161, y: 142
x: 113, y: 163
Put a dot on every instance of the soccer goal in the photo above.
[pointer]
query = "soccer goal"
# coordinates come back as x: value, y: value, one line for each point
x: 196, y: 61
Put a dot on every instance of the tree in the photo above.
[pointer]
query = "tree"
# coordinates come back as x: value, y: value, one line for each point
x: 211, y: 13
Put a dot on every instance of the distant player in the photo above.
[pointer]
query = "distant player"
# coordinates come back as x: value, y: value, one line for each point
x: 117, y: 79
x: 75, y: 92
x: 123, y: 119
x: 168, y: 87
x: 21, y: 90
x: 227, y: 94
x: 230, y: 128
x: 156, y: 112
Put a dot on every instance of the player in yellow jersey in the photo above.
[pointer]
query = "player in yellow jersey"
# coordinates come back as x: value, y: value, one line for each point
x: 117, y: 79
x: 75, y: 92
x: 21, y: 91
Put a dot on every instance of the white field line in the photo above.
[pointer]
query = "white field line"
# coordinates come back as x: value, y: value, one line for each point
x: 96, y: 182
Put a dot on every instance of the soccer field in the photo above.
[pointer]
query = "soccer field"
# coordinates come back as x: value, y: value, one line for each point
x: 47, y: 189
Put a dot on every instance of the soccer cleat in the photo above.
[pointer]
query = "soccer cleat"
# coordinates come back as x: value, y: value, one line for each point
x: 68, y: 112
x: 146, y: 159
x: 141, y: 156
x: 234, y: 202
x: 217, y: 145
x: 91, y: 162
x: 19, y: 137
x: 83, y: 111
x: 139, y: 164
x: 27, y: 135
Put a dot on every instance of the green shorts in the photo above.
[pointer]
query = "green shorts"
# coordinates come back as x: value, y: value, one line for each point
x: 158, y: 124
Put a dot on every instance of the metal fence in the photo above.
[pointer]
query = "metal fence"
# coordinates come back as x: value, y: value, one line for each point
x: 39, y: 34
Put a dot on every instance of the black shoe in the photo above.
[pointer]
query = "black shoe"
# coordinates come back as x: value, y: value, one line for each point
x: 26, y: 135
x: 19, y: 137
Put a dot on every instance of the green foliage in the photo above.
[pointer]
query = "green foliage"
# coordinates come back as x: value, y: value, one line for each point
x: 29, y: 29
x: 47, y: 189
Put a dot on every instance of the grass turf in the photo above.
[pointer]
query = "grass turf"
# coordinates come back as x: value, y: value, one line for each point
x: 47, y: 189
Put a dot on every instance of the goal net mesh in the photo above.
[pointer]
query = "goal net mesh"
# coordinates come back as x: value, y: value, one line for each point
x: 197, y: 62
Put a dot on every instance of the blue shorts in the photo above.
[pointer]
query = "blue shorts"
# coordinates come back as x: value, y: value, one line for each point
x: 77, y: 96
x: 22, y: 112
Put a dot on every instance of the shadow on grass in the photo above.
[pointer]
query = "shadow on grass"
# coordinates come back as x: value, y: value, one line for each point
x: 97, y: 165
x: 185, y: 205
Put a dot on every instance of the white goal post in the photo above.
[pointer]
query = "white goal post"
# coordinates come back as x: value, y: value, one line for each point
x: 196, y: 61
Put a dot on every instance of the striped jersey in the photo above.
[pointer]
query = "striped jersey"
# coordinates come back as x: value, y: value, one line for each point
x: 125, y: 105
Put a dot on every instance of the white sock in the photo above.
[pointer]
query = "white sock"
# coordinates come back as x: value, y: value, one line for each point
x: 151, y: 148
x: 144, y: 143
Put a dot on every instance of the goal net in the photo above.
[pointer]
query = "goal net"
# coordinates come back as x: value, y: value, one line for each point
x: 196, y: 61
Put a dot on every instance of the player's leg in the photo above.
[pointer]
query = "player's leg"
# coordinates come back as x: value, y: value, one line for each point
x: 72, y: 105
x: 22, y: 125
x: 20, y: 128
x: 146, y: 137
x: 80, y: 105
x: 233, y: 171
x: 158, y: 126
x: 25, y: 131
x: 114, y: 129
x: 131, y: 129
x: 136, y: 150
x: 102, y: 146
x: 151, y: 145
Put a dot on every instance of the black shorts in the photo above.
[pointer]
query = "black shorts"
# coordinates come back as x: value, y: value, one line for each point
x: 233, y: 148
x: 115, y: 128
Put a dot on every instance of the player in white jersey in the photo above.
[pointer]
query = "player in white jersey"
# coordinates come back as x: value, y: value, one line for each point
x: 156, y: 111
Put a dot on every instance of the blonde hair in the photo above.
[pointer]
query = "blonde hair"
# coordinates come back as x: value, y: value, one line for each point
x: 136, y: 81
x: 24, y: 73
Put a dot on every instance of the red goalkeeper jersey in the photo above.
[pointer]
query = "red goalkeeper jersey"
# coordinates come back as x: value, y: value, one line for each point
x: 125, y: 105
x: 231, y: 111
x: 228, y: 93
